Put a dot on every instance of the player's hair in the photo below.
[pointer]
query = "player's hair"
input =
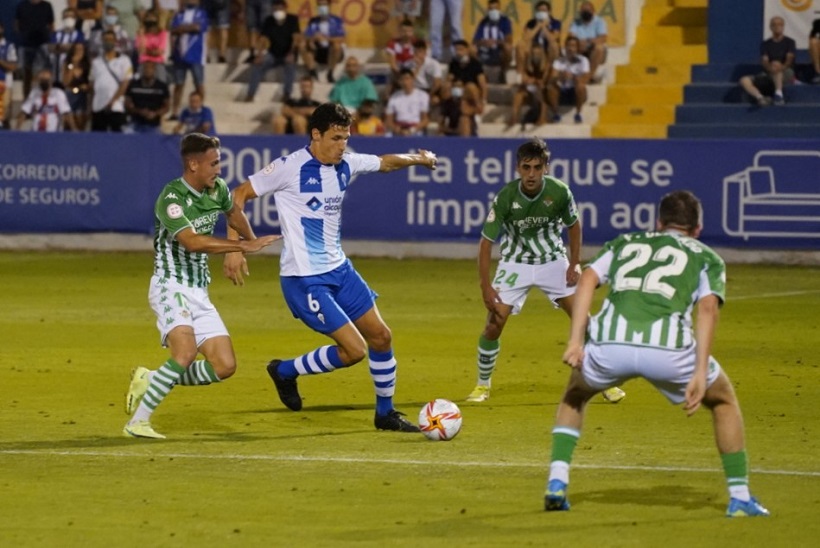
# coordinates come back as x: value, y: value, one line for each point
x: 680, y: 208
x: 535, y: 149
x: 197, y: 143
x: 328, y: 115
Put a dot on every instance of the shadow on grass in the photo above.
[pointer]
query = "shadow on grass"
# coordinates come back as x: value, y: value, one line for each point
x: 678, y: 496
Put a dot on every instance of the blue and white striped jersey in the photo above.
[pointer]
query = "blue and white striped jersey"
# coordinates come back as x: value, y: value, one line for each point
x: 308, y: 197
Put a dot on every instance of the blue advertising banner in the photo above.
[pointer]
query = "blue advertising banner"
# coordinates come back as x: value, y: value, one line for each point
x: 756, y: 194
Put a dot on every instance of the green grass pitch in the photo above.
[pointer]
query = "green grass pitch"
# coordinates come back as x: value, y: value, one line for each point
x: 238, y: 469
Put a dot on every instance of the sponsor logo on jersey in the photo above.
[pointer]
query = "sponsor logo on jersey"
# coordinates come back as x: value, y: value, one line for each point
x: 313, y: 181
x: 189, y: 201
x: 516, y: 205
x: 314, y: 203
x: 174, y: 211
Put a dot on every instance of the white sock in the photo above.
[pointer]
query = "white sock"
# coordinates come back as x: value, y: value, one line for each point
x: 559, y: 470
x: 740, y: 492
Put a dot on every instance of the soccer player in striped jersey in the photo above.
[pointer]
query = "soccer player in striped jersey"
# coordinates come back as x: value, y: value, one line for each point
x: 185, y: 214
x: 319, y: 283
x: 644, y: 329
x: 528, y: 216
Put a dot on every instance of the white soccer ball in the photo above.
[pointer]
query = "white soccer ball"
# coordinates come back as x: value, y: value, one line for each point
x: 440, y: 420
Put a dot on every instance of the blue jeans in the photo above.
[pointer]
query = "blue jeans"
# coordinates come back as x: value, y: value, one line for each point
x: 438, y: 9
x: 269, y: 62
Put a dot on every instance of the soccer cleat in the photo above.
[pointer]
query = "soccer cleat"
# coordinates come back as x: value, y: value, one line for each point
x: 613, y: 395
x: 394, y: 420
x: 288, y: 392
x: 555, y: 499
x: 141, y: 429
x: 779, y: 100
x: 745, y: 508
x: 479, y: 394
x: 137, y: 388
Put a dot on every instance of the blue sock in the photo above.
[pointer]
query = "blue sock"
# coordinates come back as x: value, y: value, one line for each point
x: 321, y: 360
x: 383, y: 371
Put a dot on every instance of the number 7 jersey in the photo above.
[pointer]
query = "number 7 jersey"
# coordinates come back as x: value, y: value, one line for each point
x: 655, y: 280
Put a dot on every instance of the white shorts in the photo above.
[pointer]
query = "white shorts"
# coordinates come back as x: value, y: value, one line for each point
x: 607, y: 365
x: 175, y: 304
x: 514, y: 280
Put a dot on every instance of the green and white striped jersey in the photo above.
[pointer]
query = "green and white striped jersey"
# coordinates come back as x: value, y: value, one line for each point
x: 655, y: 280
x: 530, y: 228
x: 178, y: 207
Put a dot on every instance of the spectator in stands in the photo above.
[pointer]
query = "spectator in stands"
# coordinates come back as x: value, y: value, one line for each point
x: 366, y: 122
x: 452, y: 9
x: 46, y: 105
x: 219, y: 16
x: 814, y: 50
x: 353, y: 87
x: 130, y: 13
x: 34, y: 23
x: 542, y: 31
x: 467, y: 69
x: 110, y: 22
x: 569, y: 79
x: 408, y: 108
x: 278, y: 45
x: 165, y: 10
x: 147, y: 100
x: 293, y: 117
x: 64, y: 37
x: 110, y: 74
x: 531, y: 90
x: 399, y: 50
x: 323, y: 41
x: 459, y: 111
x: 75, y: 76
x: 89, y: 13
x: 8, y: 64
x: 591, y: 31
x: 256, y: 11
x: 777, y: 57
x: 493, y: 39
x: 196, y: 117
x: 427, y: 71
x: 151, y: 44
x: 189, y: 31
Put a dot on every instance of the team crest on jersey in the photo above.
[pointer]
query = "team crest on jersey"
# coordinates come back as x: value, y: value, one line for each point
x: 547, y: 201
x: 269, y: 168
x: 174, y: 211
x: 491, y: 215
x: 170, y: 196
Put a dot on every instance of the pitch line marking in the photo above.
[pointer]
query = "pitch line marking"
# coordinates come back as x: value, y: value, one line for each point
x: 774, y: 295
x: 410, y: 462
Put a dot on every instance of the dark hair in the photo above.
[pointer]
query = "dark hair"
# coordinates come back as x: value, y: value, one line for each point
x: 543, y: 3
x: 368, y: 103
x: 85, y: 61
x: 406, y: 22
x: 535, y: 149
x: 328, y: 115
x: 461, y: 43
x: 572, y: 38
x: 419, y: 44
x: 197, y: 143
x: 404, y: 71
x: 680, y: 208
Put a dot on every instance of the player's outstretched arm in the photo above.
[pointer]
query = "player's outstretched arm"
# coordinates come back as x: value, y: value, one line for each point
x: 201, y: 243
x: 392, y: 162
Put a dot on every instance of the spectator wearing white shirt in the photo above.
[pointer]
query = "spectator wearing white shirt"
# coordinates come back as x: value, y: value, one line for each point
x: 569, y: 79
x: 427, y: 72
x: 47, y: 106
x: 591, y: 31
x: 408, y: 109
x: 110, y: 75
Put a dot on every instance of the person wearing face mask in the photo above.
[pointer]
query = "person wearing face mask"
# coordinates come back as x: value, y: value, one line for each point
x: 8, y: 64
x: 64, y: 37
x: 130, y: 13
x: 467, y: 69
x: 278, y: 43
x: 542, y: 31
x: 47, y: 106
x: 88, y: 13
x: 458, y: 114
x: 110, y: 22
x: 189, y: 50
x: 530, y: 91
x: 110, y: 74
x: 591, y: 31
x: 493, y: 39
x: 323, y: 41
x: 152, y: 43
x: 219, y: 15
x: 568, y: 80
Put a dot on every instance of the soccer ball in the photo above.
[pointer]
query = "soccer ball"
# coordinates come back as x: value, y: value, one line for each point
x: 440, y: 420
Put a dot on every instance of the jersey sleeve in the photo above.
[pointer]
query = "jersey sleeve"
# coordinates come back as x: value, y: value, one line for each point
x: 602, y: 262
x: 570, y: 214
x: 712, y: 277
x: 170, y: 213
x: 494, y: 225
x: 362, y: 163
x: 271, y: 178
x: 223, y: 195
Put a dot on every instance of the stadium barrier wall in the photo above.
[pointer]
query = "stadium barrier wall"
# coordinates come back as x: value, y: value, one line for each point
x: 757, y: 194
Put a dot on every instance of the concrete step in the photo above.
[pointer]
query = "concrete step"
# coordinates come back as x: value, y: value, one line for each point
x: 679, y: 55
x: 630, y: 131
x: 736, y: 114
x: 732, y: 93
x: 632, y: 94
x: 653, y: 35
x: 744, y: 131
x: 641, y: 115
x: 652, y: 73
x: 560, y: 131
x: 665, y: 15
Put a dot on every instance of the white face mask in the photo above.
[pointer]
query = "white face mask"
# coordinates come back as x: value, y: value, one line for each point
x: 111, y: 20
x: 457, y: 93
x: 279, y: 15
x: 323, y: 10
x: 542, y: 15
x: 494, y: 15
x: 69, y: 22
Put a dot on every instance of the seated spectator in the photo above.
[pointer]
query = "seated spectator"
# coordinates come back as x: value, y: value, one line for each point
x: 542, y: 31
x: 427, y: 71
x: 147, y: 100
x: 110, y: 22
x: 366, y: 122
x: 89, y: 13
x: 75, y: 77
x: 64, y: 37
x: 8, y: 64
x: 323, y: 41
x: 219, y: 16
x: 189, y: 31
x: 468, y: 70
x: 459, y: 111
x: 151, y: 44
x: 408, y: 108
x: 399, y: 51
x: 293, y: 117
x: 278, y: 45
x: 493, y: 39
x: 534, y: 78
x: 196, y: 117
x: 777, y: 57
x: 110, y: 75
x: 46, y: 105
x: 568, y: 80
x: 353, y: 87
x: 591, y: 32
x: 814, y: 50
